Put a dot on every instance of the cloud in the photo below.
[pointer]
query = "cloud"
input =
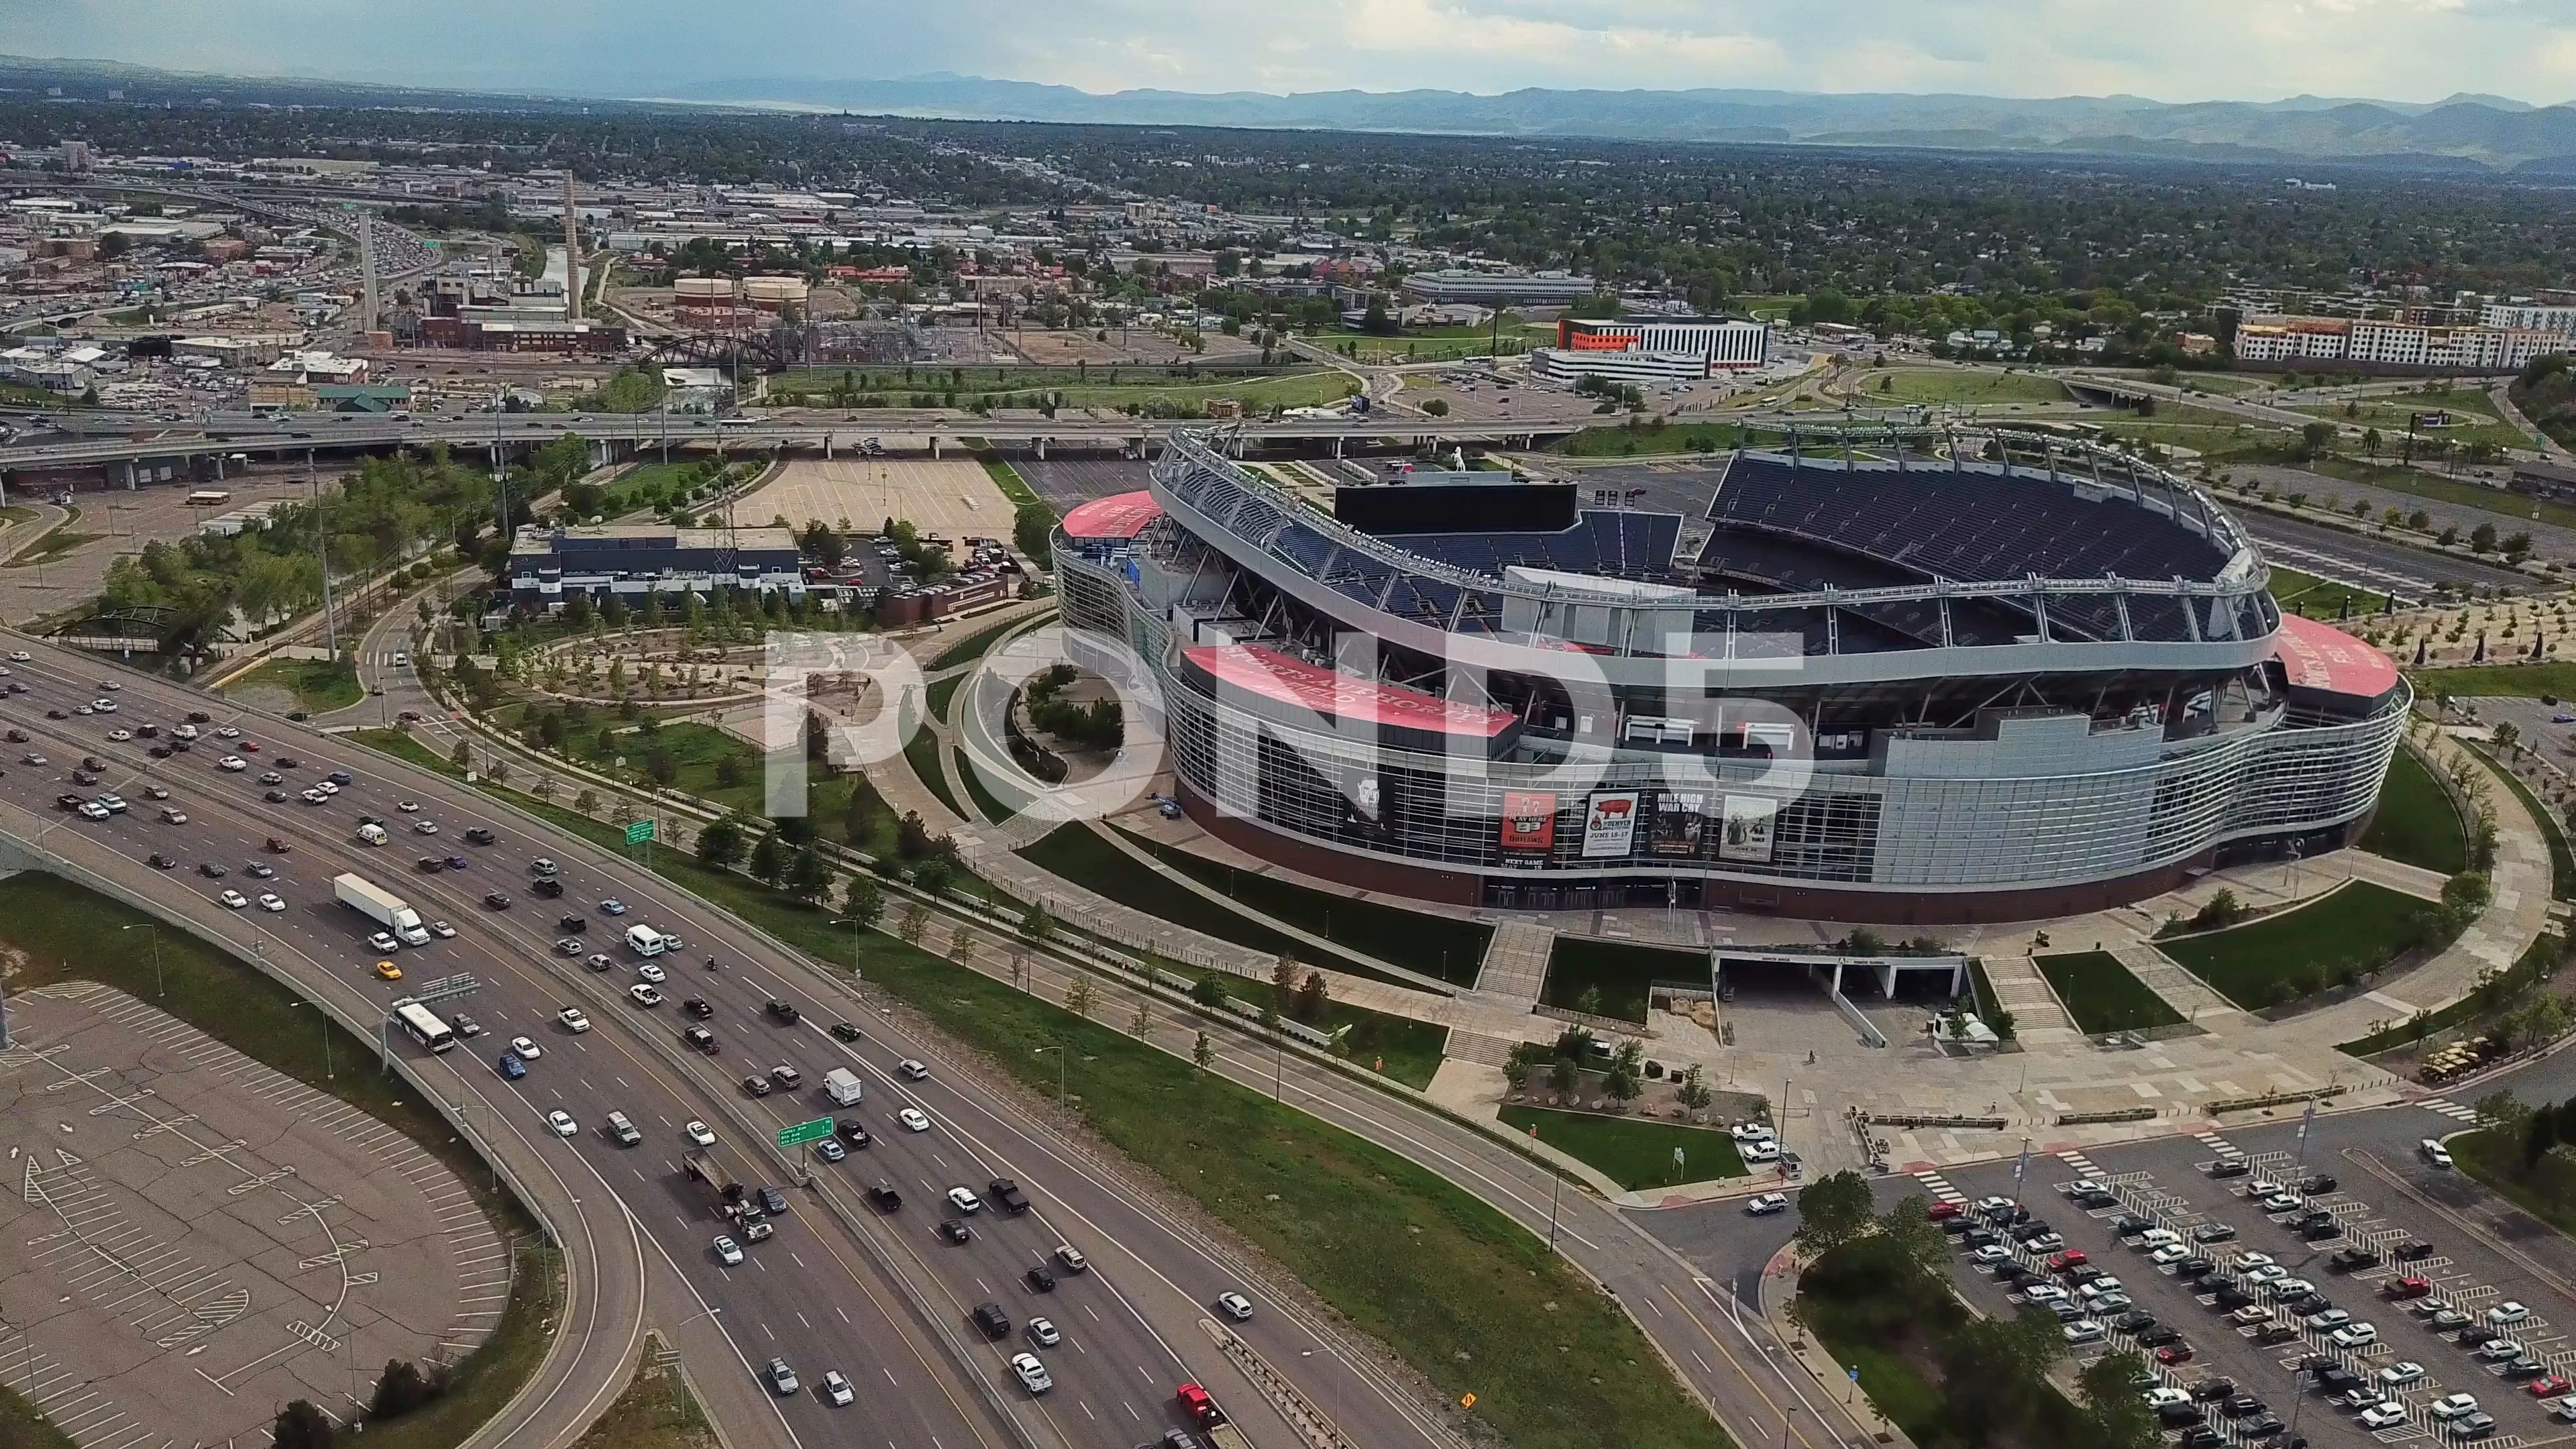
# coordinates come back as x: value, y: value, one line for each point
x: 2170, y: 50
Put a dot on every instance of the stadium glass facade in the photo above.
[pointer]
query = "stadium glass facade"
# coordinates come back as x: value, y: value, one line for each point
x: 2009, y: 688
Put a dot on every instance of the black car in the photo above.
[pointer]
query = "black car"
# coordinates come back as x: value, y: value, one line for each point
x: 2317, y: 1363
x: 2129, y: 1225
x: 496, y: 900
x: 2352, y: 1260
x: 2477, y: 1335
x: 2261, y: 1427
x: 2309, y: 1303
x: 479, y: 836
x: 84, y: 777
x: 2525, y: 1367
x: 773, y: 1202
x: 2194, y: 1267
x: 1975, y: 1238
x: 2179, y: 1416
x: 149, y: 732
x: 2219, y: 1387
x: 698, y: 1007
x: 2136, y: 1320
x: 2272, y: 1333
x: 845, y: 1031
x: 2339, y: 1380
x: 572, y: 925
x: 990, y: 1318
x: 2318, y: 1232
x: 163, y: 862
x: 756, y: 1085
x: 2083, y: 1273
x: 853, y: 1131
x: 276, y: 797
x: 2243, y: 1406
x: 210, y: 870
x: 2231, y: 1296
x: 700, y: 1038
x: 159, y: 752
x: 2414, y: 1250
x: 1039, y: 1280
x: 955, y: 1230
x: 2316, y: 1184
x: 547, y: 887
x: 885, y: 1199
x: 17, y: 737
x: 1957, y: 1227
x: 56, y: 714
x: 199, y: 716
x: 2035, y: 1228
x: 2158, y: 1337
x: 2201, y: 1436
x: 785, y: 1012
x: 181, y: 747
x: 2094, y: 1198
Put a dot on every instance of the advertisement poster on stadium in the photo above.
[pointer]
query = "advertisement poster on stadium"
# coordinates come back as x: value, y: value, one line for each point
x: 1529, y: 820
x: 1677, y: 826
x: 1745, y: 833
x: 1610, y: 825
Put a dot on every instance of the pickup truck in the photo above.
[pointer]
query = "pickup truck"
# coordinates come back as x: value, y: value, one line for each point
x: 1007, y: 1196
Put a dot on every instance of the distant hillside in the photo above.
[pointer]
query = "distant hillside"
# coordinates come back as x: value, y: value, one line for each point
x: 2489, y: 131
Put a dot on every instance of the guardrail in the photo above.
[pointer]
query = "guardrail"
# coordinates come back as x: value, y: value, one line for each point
x: 2124, y: 1114
x: 2271, y: 1099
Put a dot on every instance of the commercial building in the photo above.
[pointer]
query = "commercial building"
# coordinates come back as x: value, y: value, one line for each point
x: 1903, y: 688
x: 630, y: 560
x: 1652, y: 350
x: 2389, y: 342
x: 2559, y: 321
x: 1498, y: 289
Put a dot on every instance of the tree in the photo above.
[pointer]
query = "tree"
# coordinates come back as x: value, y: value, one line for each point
x: 587, y: 802
x: 916, y: 920
x: 462, y: 757
x: 720, y: 844
x: 1283, y: 977
x: 1037, y: 922
x: 401, y: 1390
x: 1312, y: 998
x: 1208, y: 991
x: 301, y: 1426
x: 863, y: 901
x: 1694, y: 1091
x: 1833, y: 1210
x: 1915, y: 1237
x: 2120, y: 1418
x: 1203, y: 1053
x: 1143, y: 1021
x: 809, y: 878
x: 2483, y: 538
x: 768, y: 859
x: 1626, y: 1079
x: 2539, y: 1135
x: 1078, y: 998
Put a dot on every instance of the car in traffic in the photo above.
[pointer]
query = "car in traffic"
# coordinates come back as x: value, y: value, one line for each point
x: 698, y: 1133
x: 728, y: 1252
x: 913, y: 1120
x: 835, y: 1389
x: 562, y: 1124
x: 571, y: 1016
x: 782, y: 1379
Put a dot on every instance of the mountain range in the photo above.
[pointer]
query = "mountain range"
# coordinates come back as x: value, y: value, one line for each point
x: 2464, y: 130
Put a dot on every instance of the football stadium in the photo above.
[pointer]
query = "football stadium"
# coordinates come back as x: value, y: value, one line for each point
x: 1944, y: 679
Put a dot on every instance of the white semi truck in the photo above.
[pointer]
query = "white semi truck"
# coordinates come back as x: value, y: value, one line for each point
x: 380, y: 906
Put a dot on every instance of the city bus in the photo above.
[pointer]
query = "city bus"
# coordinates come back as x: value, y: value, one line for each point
x: 209, y: 498
x: 424, y: 1026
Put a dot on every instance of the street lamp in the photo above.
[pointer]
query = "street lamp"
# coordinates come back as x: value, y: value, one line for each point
x: 1060, y: 1054
x: 158, y: 988
x: 329, y: 1073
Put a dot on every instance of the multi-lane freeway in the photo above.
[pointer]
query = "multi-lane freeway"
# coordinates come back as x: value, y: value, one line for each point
x: 878, y: 1295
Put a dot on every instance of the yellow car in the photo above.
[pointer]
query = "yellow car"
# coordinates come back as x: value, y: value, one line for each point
x: 388, y: 971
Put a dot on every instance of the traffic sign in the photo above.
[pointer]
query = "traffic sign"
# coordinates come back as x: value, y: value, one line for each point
x: 804, y: 1132
x: 639, y: 832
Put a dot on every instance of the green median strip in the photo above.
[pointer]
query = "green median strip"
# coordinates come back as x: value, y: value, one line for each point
x: 1470, y: 1300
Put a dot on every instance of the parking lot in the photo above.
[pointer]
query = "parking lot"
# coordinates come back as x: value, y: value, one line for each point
x: 2399, y: 1340
x: 195, y: 1239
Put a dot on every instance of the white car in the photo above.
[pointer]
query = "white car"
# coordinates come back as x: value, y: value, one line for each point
x: 2354, y: 1335
x: 562, y: 1123
x: 103, y: 706
x: 232, y: 762
x: 912, y: 1120
x: 835, y: 1390
x: 327, y: 787
x: 19, y: 656
x: 2043, y: 1293
x: 1991, y: 1253
x: 2169, y: 1253
x: 645, y: 995
x: 1767, y: 1151
x: 2501, y: 1350
x: 424, y: 827
x: 2083, y: 1330
x: 571, y: 1016
x: 269, y: 902
x: 2331, y: 1319
x: 2452, y: 1406
x: 728, y: 1252
x: 1032, y: 1374
x: 383, y: 943
x: 1042, y: 1332
x: 699, y: 1133
x: 228, y: 732
x: 526, y: 1047
x: 612, y: 907
x: 120, y: 736
x: 1767, y: 1204
x: 1750, y: 1132
x: 652, y: 972
x: 964, y: 1200
x: 2507, y: 1312
x: 442, y: 930
x: 2440, y: 1156
x: 2251, y: 1260
x: 1235, y: 1306
x: 408, y: 807
x: 2081, y: 1186
x: 2159, y: 1397
x: 2383, y: 1416
x: 2267, y: 1273
x: 402, y: 656
x: 233, y: 900
x: 913, y: 1071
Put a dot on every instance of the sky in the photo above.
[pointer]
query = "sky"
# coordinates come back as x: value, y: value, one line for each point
x: 2167, y: 50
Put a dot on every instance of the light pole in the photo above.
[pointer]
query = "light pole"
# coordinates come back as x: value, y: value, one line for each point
x: 158, y: 987
x: 1060, y: 1054
x: 329, y: 1073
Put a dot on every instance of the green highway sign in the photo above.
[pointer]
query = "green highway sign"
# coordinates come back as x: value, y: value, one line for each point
x: 639, y: 832
x: 804, y: 1132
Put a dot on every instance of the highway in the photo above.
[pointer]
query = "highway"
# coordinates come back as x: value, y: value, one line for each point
x: 828, y: 1291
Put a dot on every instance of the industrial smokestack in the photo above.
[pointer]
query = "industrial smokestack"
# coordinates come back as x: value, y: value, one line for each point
x: 572, y: 254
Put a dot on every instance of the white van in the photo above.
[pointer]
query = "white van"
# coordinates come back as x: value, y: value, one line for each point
x: 645, y: 941
x: 372, y: 834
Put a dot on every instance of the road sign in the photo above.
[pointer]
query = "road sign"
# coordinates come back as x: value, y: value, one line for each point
x: 639, y: 832
x: 804, y: 1132
x: 444, y: 988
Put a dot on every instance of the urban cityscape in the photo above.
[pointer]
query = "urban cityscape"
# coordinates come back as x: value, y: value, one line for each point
x: 1100, y: 758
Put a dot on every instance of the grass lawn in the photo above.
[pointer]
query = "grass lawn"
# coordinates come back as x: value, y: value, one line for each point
x: 65, y: 537
x: 2473, y: 418
x: 1440, y: 946
x: 2207, y: 440
x: 2103, y: 995
x: 490, y: 1376
x: 1297, y: 390
x: 2529, y: 680
x: 1079, y: 855
x: 317, y: 684
x: 1403, y: 1049
x: 921, y: 752
x: 2509, y: 508
x: 1405, y: 1255
x: 2548, y: 1192
x: 1619, y: 970
x: 2318, y: 598
x: 657, y: 1411
x: 1960, y: 385
x: 1008, y: 479
x: 1636, y: 1155
x: 1614, y: 440
x: 21, y: 1427
x: 2295, y: 952
x: 973, y: 645
x: 2416, y: 823
x: 647, y: 485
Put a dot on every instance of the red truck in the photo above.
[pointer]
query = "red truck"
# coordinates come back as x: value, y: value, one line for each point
x: 1214, y: 1429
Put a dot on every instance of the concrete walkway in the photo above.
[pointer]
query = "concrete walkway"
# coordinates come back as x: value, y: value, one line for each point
x: 2039, y: 1020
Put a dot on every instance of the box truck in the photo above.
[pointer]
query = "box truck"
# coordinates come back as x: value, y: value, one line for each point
x: 842, y: 1086
x: 382, y: 907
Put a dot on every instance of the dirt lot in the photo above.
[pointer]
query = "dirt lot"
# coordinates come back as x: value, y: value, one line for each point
x: 948, y: 498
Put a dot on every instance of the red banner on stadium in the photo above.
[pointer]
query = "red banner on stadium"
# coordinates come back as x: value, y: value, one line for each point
x: 1529, y: 820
